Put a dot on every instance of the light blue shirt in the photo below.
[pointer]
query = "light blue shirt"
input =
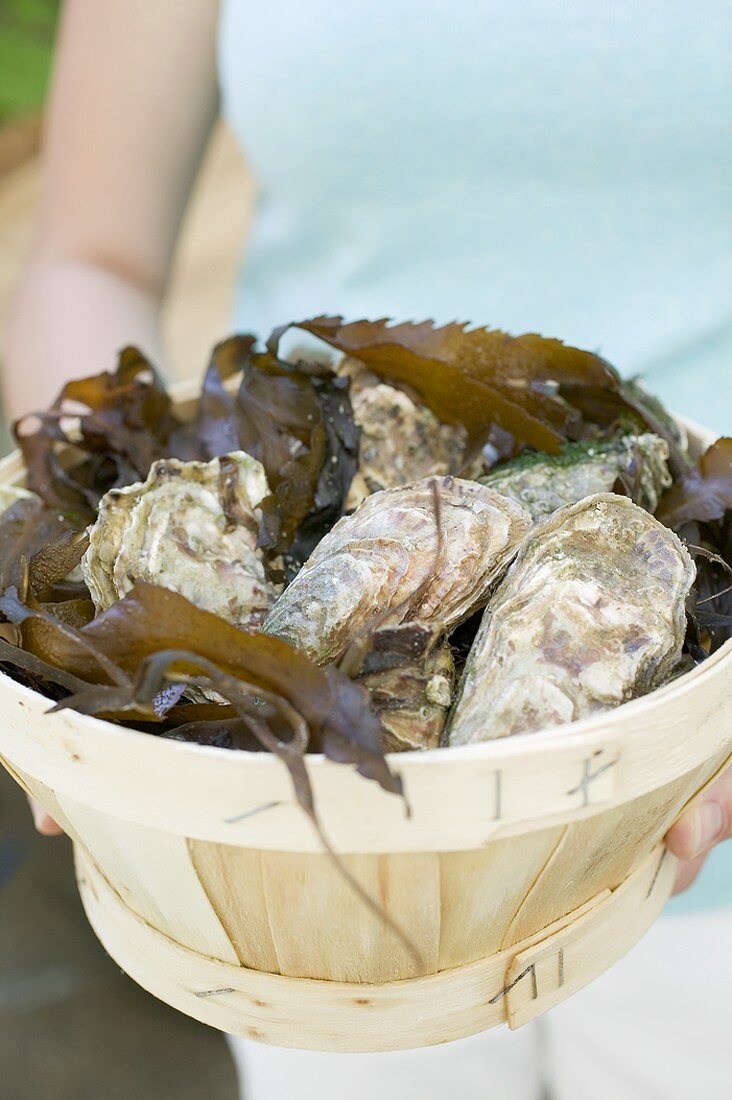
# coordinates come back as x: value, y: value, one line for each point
x: 557, y: 167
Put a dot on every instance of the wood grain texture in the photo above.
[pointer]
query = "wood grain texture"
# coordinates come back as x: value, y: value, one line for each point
x: 343, y: 1016
x: 154, y: 876
x: 542, y: 975
x: 43, y: 795
x: 317, y: 919
x: 599, y: 853
x: 295, y: 913
x: 234, y: 882
x: 482, y: 890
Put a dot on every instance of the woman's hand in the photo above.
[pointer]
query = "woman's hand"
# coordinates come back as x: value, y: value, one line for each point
x: 700, y: 828
x: 43, y: 822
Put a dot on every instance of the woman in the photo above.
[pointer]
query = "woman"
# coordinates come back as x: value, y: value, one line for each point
x: 556, y: 167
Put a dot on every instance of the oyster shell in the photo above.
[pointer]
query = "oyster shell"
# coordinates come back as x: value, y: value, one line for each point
x: 401, y: 439
x: 191, y: 527
x: 385, y: 564
x: 590, y: 614
x: 409, y: 676
x: 543, y: 483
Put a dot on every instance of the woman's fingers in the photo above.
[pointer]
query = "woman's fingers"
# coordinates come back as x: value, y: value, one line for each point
x: 704, y: 824
x: 688, y: 870
x: 697, y: 830
x: 43, y: 822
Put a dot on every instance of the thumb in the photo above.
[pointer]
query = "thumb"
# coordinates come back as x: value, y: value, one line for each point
x: 705, y: 823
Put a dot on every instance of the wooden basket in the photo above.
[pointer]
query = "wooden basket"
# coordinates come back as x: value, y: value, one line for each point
x: 527, y: 867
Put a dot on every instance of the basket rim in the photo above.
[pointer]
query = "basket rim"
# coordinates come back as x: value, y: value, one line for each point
x: 586, y: 730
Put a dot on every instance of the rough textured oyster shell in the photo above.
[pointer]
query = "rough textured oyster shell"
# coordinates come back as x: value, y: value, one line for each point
x: 543, y: 483
x: 191, y: 527
x: 590, y: 614
x: 409, y: 675
x: 385, y: 557
x: 401, y: 439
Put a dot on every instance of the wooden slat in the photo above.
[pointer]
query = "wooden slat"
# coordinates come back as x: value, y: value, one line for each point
x: 296, y: 914
x: 44, y: 796
x: 233, y: 881
x: 600, y: 853
x: 322, y: 928
x: 153, y: 874
x: 549, y: 971
x: 342, y: 1016
x: 482, y: 891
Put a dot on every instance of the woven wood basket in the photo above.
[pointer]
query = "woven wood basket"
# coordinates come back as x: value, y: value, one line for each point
x: 527, y: 867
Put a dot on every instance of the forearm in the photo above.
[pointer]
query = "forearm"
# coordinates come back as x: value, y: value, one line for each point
x: 69, y: 319
x: 132, y: 103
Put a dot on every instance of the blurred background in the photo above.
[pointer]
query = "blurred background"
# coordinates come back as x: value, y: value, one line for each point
x: 72, y: 1027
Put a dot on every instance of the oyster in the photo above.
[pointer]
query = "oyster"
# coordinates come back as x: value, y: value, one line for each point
x: 590, y: 614
x: 401, y: 439
x: 655, y: 411
x: 191, y: 527
x: 389, y: 562
x: 409, y: 675
x: 543, y: 483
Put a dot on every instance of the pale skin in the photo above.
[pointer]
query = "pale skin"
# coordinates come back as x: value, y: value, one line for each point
x: 132, y: 105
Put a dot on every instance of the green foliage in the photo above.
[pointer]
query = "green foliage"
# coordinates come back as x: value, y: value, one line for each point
x: 27, y: 30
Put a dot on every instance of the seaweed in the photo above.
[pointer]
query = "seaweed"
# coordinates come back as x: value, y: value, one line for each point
x: 480, y: 377
x: 699, y: 507
x: 296, y: 418
x: 115, y: 425
x: 299, y: 424
x: 703, y: 493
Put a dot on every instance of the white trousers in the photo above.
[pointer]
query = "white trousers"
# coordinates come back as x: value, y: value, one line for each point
x: 657, y: 1026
